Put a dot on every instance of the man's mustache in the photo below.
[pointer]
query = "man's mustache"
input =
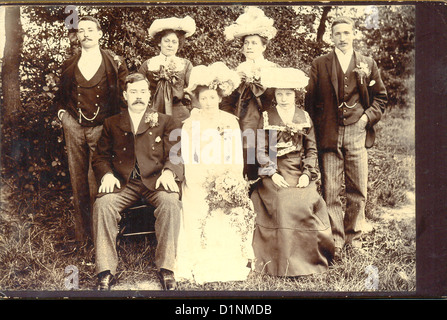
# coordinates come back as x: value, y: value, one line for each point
x: 138, y: 102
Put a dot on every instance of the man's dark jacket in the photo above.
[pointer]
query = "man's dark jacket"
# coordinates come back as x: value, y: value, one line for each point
x: 322, y: 98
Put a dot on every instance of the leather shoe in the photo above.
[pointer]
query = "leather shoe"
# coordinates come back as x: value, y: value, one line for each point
x: 167, y: 279
x: 105, y: 281
x: 337, y: 258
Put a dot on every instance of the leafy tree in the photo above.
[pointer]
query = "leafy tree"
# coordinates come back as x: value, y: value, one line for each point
x: 11, y: 63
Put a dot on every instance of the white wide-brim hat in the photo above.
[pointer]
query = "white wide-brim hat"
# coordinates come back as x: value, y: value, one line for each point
x: 252, y: 22
x: 186, y: 24
x: 214, y: 76
x: 283, y: 78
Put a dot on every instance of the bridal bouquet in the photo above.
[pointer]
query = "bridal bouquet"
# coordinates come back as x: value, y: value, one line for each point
x: 229, y: 195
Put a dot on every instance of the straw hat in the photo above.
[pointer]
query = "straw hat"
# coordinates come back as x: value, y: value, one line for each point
x: 252, y: 22
x: 186, y: 24
x: 284, y: 78
x: 214, y: 76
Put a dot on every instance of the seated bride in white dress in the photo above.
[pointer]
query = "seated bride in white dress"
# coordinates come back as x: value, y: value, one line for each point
x: 215, y: 239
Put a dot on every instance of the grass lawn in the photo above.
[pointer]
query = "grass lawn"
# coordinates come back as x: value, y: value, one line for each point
x: 36, y: 228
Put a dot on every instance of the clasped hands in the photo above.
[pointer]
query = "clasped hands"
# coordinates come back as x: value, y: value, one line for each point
x: 167, y: 180
x: 280, y: 182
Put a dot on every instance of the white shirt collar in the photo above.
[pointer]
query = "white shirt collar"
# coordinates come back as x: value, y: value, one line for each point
x: 95, y: 52
x: 344, y: 58
x: 136, y: 119
x: 349, y: 53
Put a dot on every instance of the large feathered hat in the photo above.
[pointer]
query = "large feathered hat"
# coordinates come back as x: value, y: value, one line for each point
x: 186, y: 24
x: 215, y: 76
x: 252, y: 22
x: 284, y: 78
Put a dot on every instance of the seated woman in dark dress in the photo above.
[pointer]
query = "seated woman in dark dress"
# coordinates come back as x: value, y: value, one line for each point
x: 293, y: 234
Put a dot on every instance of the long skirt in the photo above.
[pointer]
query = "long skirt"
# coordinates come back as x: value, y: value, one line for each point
x: 293, y: 234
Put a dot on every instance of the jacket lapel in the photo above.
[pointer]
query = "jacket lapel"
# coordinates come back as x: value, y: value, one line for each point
x: 71, y: 64
x: 332, y: 70
x: 124, y: 123
x: 363, y: 87
x: 111, y: 69
x: 143, y: 127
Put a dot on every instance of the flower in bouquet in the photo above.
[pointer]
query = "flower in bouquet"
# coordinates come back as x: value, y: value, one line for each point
x: 249, y: 72
x: 168, y: 70
x: 168, y: 73
x: 229, y: 195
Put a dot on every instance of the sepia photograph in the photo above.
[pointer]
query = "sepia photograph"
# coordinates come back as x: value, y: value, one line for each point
x: 208, y: 150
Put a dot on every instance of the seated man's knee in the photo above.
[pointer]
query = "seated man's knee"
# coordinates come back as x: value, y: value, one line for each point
x: 168, y: 199
x: 104, y: 203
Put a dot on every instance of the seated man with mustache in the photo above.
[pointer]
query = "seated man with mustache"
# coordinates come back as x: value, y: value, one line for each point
x: 132, y: 162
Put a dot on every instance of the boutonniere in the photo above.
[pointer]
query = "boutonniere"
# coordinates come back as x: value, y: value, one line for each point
x: 158, y: 139
x: 118, y: 60
x: 362, y: 70
x: 115, y: 57
x: 151, y: 117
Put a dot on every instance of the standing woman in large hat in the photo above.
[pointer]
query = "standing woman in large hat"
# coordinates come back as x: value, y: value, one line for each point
x: 251, y: 98
x: 167, y: 73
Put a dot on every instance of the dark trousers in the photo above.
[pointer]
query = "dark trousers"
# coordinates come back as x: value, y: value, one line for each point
x: 81, y: 143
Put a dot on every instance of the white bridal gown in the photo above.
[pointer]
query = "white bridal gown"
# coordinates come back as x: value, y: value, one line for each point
x: 213, y: 251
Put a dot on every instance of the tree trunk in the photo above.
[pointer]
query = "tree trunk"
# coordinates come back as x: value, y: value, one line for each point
x: 322, y: 25
x: 11, y: 63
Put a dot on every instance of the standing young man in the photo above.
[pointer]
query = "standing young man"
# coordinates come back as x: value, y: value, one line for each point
x: 345, y: 98
x: 91, y: 88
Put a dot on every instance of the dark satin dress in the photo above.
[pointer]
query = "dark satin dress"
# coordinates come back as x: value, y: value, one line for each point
x: 167, y: 87
x: 293, y: 234
x: 247, y: 103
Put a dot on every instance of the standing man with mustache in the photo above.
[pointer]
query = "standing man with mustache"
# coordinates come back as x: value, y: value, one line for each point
x: 345, y: 99
x: 91, y: 87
